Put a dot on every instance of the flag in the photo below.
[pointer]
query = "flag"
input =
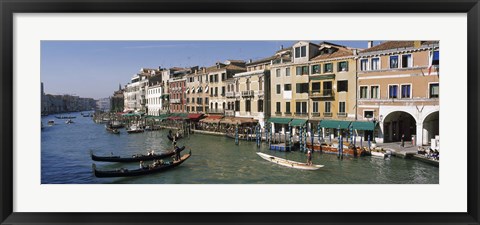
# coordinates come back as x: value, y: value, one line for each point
x: 430, y: 63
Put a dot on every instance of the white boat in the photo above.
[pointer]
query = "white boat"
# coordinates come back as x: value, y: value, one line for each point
x: 381, y: 154
x: 69, y: 121
x: 289, y: 163
x: 135, y: 129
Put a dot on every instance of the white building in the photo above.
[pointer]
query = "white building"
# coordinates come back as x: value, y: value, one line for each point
x: 135, y: 98
x: 154, y: 99
x: 103, y: 104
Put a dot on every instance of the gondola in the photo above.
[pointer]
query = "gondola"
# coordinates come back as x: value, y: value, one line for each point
x: 138, y: 172
x: 171, y: 138
x: 112, y: 130
x: 134, y: 158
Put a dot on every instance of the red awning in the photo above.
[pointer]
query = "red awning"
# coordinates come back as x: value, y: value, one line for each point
x: 175, y: 118
x: 194, y: 116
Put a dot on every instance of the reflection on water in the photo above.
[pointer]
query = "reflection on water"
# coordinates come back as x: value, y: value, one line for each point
x: 215, y: 160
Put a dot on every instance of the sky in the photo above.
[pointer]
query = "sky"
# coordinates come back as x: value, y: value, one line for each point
x: 94, y: 69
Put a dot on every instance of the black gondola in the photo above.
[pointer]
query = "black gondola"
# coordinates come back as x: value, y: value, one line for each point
x: 134, y: 158
x: 138, y: 172
x: 171, y: 138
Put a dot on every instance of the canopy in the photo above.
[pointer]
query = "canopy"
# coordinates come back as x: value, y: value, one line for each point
x: 238, y: 120
x: 335, y: 124
x: 194, y: 116
x: 297, y: 122
x: 279, y: 120
x: 363, y: 125
x: 212, y: 119
x: 323, y: 77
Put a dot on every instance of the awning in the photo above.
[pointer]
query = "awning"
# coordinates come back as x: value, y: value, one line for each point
x: 186, y: 91
x: 323, y: 77
x: 199, y: 88
x: 363, y: 125
x: 238, y: 120
x: 297, y: 122
x: 206, y: 89
x: 335, y: 124
x: 212, y: 119
x: 194, y: 116
x: 175, y: 118
x: 279, y: 120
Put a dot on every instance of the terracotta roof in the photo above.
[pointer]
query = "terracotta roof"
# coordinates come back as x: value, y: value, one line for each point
x: 284, y: 49
x: 341, y: 52
x: 395, y: 45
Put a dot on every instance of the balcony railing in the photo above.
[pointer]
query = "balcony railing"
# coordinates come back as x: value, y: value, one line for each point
x: 316, y: 114
x: 301, y: 114
x: 230, y: 95
x: 216, y: 111
x: 342, y: 114
x: 249, y: 93
x: 288, y: 113
x: 229, y: 113
x: 325, y: 93
x: 278, y: 113
x: 327, y: 114
x: 175, y: 101
x: 261, y: 94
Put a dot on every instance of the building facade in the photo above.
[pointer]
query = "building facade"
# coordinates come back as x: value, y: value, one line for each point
x: 197, y: 91
x: 154, y: 98
x: 103, y: 104
x: 332, y: 83
x: 218, y: 77
x: 117, y: 100
x: 398, y: 86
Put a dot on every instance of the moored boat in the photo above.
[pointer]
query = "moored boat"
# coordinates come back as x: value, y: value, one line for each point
x: 112, y: 130
x: 141, y: 171
x: 51, y: 122
x: 135, y: 129
x: 288, y: 163
x: 134, y: 158
x: 69, y: 121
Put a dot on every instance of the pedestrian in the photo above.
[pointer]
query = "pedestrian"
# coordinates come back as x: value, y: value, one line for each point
x: 403, y: 140
x: 309, y: 158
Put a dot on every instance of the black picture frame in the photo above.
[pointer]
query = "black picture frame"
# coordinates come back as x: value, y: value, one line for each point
x: 9, y: 7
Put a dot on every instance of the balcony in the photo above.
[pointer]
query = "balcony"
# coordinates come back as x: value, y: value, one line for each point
x: 301, y: 114
x: 247, y: 94
x: 288, y: 113
x: 316, y: 114
x: 229, y: 113
x: 217, y: 111
x: 327, y: 114
x: 278, y: 113
x: 342, y: 114
x: 175, y: 101
x: 325, y: 93
x: 230, y: 95
x: 260, y: 94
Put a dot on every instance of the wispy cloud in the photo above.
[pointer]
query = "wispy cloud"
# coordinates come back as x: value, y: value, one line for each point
x: 159, y: 46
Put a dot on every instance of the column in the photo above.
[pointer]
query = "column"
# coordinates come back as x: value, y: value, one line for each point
x: 419, y: 138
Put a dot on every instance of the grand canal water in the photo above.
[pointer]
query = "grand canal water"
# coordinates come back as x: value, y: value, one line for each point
x: 215, y: 160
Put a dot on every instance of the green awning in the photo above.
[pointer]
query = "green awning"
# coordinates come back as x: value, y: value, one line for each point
x: 279, y: 120
x: 335, y: 124
x: 297, y: 122
x: 323, y: 77
x: 363, y: 125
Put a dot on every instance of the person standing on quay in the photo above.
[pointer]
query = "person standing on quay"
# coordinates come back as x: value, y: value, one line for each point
x: 403, y: 140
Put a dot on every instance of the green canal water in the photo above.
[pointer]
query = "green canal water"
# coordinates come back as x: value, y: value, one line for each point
x: 215, y: 160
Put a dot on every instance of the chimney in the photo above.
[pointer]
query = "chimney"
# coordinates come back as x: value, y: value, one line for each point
x: 355, y: 51
x: 417, y: 44
x: 250, y: 61
x: 370, y: 44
